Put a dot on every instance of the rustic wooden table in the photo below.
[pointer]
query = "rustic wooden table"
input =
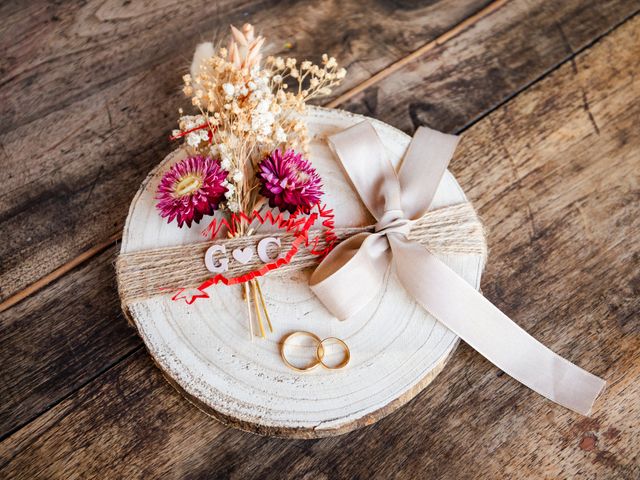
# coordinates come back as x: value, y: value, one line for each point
x: 546, y: 95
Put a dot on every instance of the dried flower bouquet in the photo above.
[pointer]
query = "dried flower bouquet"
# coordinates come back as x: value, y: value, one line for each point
x: 246, y: 139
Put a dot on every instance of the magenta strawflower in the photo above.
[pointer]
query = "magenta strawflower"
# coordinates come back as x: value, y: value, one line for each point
x: 191, y: 189
x: 289, y: 181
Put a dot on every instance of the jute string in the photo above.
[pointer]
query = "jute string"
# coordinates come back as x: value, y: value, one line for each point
x: 148, y: 273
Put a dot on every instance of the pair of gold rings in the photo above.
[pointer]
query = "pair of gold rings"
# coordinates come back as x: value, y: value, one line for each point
x: 321, y: 347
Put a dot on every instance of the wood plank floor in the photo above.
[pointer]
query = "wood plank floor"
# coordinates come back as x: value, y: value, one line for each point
x: 547, y: 98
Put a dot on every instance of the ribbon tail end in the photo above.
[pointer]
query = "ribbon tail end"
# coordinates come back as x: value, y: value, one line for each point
x: 601, y: 387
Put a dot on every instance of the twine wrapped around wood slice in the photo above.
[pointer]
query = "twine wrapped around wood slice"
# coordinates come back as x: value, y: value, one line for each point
x: 148, y: 273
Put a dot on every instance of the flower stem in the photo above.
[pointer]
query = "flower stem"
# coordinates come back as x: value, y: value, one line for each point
x: 257, y: 307
x: 264, y: 305
x: 248, y: 300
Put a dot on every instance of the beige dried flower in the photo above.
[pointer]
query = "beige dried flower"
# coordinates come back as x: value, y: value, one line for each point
x: 244, y: 47
x: 246, y: 110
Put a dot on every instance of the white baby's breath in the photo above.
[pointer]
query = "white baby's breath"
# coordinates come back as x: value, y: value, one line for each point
x: 228, y: 89
x: 225, y: 164
x: 281, y: 136
x: 237, y: 176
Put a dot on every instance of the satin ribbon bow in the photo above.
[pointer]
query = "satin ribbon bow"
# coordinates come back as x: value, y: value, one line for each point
x: 353, y: 273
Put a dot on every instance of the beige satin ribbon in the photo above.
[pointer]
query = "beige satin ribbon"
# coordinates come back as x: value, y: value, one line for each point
x: 352, y: 274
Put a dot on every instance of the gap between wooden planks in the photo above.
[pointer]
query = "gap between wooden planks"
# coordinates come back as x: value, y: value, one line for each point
x: 385, y: 72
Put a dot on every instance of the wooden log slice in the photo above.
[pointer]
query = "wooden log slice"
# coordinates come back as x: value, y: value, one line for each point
x: 205, y: 350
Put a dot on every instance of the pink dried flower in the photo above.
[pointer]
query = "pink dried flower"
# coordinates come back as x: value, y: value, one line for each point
x: 289, y: 181
x: 191, y: 189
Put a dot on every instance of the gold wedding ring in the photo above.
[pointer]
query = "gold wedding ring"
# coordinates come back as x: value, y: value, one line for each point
x: 283, y: 354
x: 320, y: 351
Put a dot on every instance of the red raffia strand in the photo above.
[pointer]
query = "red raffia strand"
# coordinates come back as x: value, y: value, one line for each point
x: 329, y: 234
x: 195, y: 129
x: 297, y: 223
x: 288, y: 224
x: 301, y: 237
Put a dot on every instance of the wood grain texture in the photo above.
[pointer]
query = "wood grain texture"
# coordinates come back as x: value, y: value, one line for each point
x: 208, y: 351
x: 80, y: 222
x: 100, y: 37
x: 86, y: 190
x: 555, y: 174
x: 470, y: 75
x: 59, y: 339
x: 77, y: 183
x: 90, y: 93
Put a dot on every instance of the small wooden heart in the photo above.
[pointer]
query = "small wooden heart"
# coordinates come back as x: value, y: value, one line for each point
x: 243, y: 255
